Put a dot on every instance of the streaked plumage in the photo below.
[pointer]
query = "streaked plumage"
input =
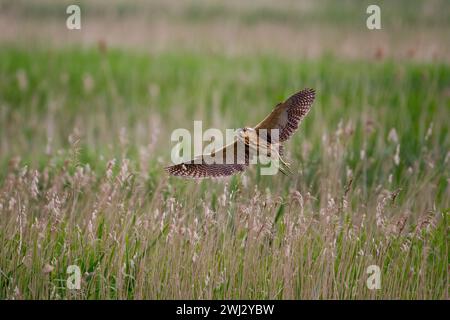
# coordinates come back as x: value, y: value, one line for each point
x: 285, y: 117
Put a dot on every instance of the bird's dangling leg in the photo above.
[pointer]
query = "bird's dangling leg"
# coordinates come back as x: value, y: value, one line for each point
x: 285, y: 170
x: 286, y: 166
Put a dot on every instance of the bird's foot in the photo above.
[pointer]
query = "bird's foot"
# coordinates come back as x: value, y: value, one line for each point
x: 285, y: 167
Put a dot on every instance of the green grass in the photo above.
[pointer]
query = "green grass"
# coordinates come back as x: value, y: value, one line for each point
x: 135, y: 233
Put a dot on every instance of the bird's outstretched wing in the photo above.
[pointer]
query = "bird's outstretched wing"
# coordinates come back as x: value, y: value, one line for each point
x: 234, y: 159
x: 287, y: 115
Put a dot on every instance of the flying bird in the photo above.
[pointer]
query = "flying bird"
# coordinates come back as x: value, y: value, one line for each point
x: 235, y: 157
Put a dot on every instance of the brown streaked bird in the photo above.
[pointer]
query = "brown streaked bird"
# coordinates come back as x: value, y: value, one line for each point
x: 285, y: 118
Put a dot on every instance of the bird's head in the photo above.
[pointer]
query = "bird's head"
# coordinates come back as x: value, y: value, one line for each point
x: 246, y: 131
x: 247, y: 134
